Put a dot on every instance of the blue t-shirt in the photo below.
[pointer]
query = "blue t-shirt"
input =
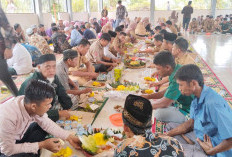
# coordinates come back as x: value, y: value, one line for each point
x: 75, y: 38
x: 88, y: 34
x: 212, y: 116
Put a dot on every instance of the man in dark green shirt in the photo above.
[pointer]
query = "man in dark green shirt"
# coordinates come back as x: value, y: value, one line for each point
x: 46, y: 72
x: 225, y: 26
x: 164, y: 110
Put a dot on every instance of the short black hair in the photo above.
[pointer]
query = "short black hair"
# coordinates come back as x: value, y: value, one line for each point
x: 118, y: 29
x: 159, y: 37
x: 69, y: 54
x: 37, y: 91
x: 169, y: 22
x: 123, y: 33
x: 16, y: 26
x: 105, y: 36
x: 164, y: 58
x: 84, y: 42
x: 163, y: 31
x: 225, y: 19
x: 158, y: 28
x: 54, y: 29
x: 53, y: 24
x: 112, y: 34
x: 119, y: 2
x: 82, y: 27
x: 122, y: 26
x: 41, y: 25
x: 190, y: 72
x: 190, y: 2
x: 182, y: 44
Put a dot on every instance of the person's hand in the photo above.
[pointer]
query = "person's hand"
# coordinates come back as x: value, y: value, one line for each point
x: 8, y: 53
x: 87, y: 90
x: 74, y: 141
x: 51, y: 144
x: 114, y: 64
x: 206, y: 145
x: 117, y: 60
x: 154, y: 74
x: 64, y: 113
x: 145, y: 96
x: 154, y: 84
x: 94, y: 75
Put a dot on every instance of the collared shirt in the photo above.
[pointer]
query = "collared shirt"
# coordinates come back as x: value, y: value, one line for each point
x: 49, y: 32
x: 75, y: 37
x: 39, y: 42
x: 149, y: 145
x: 224, y: 26
x: 173, y: 93
x: 185, y: 59
x: 108, y: 53
x: 80, y: 61
x: 116, y: 43
x: 193, y: 25
x: 21, y: 60
x: 212, y: 116
x: 88, y: 34
x: 121, y: 12
x: 62, y: 73
x: 60, y: 43
x: 96, y: 52
x: 9, y: 33
x: 15, y: 120
x: 187, y: 11
x: 209, y: 24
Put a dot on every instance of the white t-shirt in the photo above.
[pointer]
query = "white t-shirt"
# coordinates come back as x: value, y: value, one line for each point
x: 21, y: 60
x: 107, y: 53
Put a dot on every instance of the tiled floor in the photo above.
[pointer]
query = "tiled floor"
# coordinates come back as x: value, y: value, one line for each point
x: 216, y: 50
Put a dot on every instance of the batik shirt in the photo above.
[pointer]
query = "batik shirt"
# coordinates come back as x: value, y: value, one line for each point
x: 60, y: 43
x: 149, y: 145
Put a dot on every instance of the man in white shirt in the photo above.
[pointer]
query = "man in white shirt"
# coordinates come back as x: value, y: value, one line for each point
x: 21, y: 61
x: 107, y: 53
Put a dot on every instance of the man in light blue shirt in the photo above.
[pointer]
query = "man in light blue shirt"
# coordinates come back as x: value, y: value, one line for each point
x: 210, y: 114
x: 75, y: 38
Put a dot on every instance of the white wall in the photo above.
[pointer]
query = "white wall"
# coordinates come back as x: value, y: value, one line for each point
x: 26, y: 20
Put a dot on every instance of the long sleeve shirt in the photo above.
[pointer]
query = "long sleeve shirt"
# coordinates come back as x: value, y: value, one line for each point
x: 15, y: 120
x: 121, y: 12
x: 63, y: 98
x: 9, y: 33
x: 75, y: 37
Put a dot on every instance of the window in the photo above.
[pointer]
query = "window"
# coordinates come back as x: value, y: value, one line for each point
x: 58, y: 5
x: 46, y: 6
x: 224, y: 4
x: 18, y: 6
x: 140, y: 5
x: 94, y: 5
x: 78, y: 6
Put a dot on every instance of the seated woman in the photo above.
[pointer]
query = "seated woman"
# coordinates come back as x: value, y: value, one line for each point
x: 140, y: 141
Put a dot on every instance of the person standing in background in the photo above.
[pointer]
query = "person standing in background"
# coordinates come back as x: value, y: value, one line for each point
x: 6, y: 46
x: 168, y: 6
x: 187, y: 11
x: 104, y: 18
x: 121, y: 13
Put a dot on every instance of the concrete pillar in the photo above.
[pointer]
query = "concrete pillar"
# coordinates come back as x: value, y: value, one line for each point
x: 152, y: 12
x: 69, y: 7
x: 87, y: 7
x: 213, y: 7
x: 38, y: 10
x: 100, y: 5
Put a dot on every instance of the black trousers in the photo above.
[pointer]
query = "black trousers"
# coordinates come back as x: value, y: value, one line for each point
x: 186, y: 23
x: 5, y: 77
x: 33, y: 134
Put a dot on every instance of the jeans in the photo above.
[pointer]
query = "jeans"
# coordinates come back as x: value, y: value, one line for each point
x: 118, y: 21
x: 169, y: 114
x: 186, y: 23
x: 5, y: 77
x: 33, y: 134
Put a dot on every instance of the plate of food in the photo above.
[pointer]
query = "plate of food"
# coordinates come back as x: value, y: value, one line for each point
x: 94, y: 84
x: 134, y: 64
x: 147, y: 91
x: 125, y: 86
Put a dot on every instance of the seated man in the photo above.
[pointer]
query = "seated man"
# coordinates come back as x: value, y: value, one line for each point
x: 72, y: 89
x: 157, y: 30
x: 59, y: 41
x: 193, y: 26
x: 84, y: 70
x: 75, y: 37
x: 210, y: 115
x: 107, y: 52
x: 87, y: 33
x: 46, y: 72
x: 38, y: 41
x: 171, y: 27
x: 209, y: 25
x: 158, y: 40
x: 25, y: 124
x: 42, y: 32
x: 179, y: 52
x: 225, y: 27
x: 21, y: 62
x: 96, y: 55
x: 164, y: 111
x: 49, y: 30
x: 168, y: 41
x: 118, y: 44
x: 140, y: 142
x: 19, y: 33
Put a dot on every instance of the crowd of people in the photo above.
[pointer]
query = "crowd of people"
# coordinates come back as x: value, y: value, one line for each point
x: 191, y: 110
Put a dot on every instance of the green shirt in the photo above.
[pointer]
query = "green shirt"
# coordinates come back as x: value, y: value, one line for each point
x: 173, y: 93
x: 63, y: 98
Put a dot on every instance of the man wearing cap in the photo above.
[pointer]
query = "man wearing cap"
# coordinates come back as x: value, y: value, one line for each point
x: 84, y: 70
x: 96, y: 56
x: 46, y: 72
x: 140, y: 141
x: 38, y: 41
x: 59, y: 41
x: 34, y: 28
x: 170, y: 105
x: 72, y: 89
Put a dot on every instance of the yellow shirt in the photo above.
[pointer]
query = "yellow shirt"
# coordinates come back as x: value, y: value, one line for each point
x: 185, y: 59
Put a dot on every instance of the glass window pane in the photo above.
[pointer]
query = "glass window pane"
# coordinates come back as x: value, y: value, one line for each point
x: 18, y: 6
x: 78, y: 6
x: 46, y: 7
x: 224, y: 4
x: 93, y: 5
x: 132, y: 5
